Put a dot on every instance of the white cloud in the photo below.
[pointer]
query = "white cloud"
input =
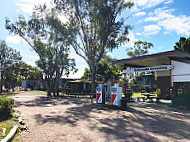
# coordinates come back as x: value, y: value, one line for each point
x: 27, y: 6
x: 181, y: 25
x: 153, y: 3
x: 142, y: 4
x: 77, y: 58
x: 140, y: 14
x: 155, y: 50
x: 31, y: 63
x: 15, y: 39
x: 160, y: 14
x: 80, y: 65
x: 169, y: 2
x: 77, y: 75
x: 138, y: 33
x: 151, y: 30
x: 166, y: 32
x: 165, y: 18
x: 34, y: 57
x: 132, y: 39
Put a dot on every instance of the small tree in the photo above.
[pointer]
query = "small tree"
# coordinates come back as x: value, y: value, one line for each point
x: 99, y: 27
x: 105, y: 70
x: 183, y: 44
x: 8, y: 57
x: 140, y: 48
x: 15, y: 74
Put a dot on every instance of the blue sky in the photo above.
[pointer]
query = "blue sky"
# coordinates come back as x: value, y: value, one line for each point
x: 160, y: 22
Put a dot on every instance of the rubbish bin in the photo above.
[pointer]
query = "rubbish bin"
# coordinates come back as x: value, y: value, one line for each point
x: 124, y: 103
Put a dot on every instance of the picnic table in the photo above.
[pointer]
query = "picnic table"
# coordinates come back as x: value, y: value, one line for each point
x: 148, y: 96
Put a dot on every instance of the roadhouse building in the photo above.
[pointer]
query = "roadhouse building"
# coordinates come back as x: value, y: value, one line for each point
x: 171, y: 70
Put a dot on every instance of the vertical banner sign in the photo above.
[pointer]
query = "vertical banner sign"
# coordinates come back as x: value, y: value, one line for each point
x: 98, y: 95
x: 145, y: 69
x: 113, y: 99
x: 98, y: 98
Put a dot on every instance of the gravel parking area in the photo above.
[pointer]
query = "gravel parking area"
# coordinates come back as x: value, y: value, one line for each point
x: 75, y: 119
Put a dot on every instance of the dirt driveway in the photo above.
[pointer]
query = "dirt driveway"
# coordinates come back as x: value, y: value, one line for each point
x: 74, y: 119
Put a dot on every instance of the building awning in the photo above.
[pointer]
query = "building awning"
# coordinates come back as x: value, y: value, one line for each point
x: 162, y: 58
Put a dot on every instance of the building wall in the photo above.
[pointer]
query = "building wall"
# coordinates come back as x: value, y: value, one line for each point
x: 180, y: 72
x: 180, y: 78
x: 161, y: 74
x: 163, y: 83
x: 181, y: 87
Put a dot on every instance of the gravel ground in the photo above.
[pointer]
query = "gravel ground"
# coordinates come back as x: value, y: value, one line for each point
x: 76, y: 120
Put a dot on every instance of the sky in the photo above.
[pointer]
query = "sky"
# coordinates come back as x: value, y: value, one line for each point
x: 161, y: 22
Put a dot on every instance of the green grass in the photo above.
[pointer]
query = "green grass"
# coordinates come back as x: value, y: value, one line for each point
x: 42, y: 91
x: 8, y: 123
x: 138, y: 94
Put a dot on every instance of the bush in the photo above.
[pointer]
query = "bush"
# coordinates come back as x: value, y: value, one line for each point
x: 158, y: 92
x: 187, y: 99
x: 6, y: 105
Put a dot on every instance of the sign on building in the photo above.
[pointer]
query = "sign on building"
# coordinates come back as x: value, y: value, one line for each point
x: 145, y: 69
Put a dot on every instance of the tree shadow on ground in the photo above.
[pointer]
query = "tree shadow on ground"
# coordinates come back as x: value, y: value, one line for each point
x: 140, y: 122
x: 4, y: 117
x: 172, y: 111
x: 45, y: 101
x: 165, y: 124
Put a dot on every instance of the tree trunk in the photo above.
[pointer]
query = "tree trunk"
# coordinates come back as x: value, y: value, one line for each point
x: 48, y: 87
x: 1, y: 85
x: 93, y: 85
x: 13, y: 87
x: 57, y: 86
x: 54, y: 87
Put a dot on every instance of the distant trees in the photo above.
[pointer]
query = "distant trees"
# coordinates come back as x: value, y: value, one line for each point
x: 8, y: 58
x: 41, y: 32
x: 28, y: 72
x: 105, y: 71
x: 140, y: 48
x: 15, y: 74
x: 183, y: 45
x: 99, y: 27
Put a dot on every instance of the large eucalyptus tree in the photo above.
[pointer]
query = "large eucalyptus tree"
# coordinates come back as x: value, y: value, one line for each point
x: 99, y: 26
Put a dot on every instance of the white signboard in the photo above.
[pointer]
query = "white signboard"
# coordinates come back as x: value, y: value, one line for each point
x: 145, y: 69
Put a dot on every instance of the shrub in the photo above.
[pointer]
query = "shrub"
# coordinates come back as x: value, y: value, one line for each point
x: 158, y: 92
x: 6, y: 105
x: 187, y: 98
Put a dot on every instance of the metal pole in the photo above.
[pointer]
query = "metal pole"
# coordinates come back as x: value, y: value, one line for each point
x: 125, y: 87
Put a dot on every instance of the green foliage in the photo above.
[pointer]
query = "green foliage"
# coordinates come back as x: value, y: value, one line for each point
x: 50, y: 39
x: 105, y: 71
x: 187, y: 99
x: 6, y: 105
x: 86, y: 75
x: 14, y: 75
x: 183, y: 44
x: 99, y: 27
x: 140, y: 48
x: 8, y: 58
x: 158, y: 92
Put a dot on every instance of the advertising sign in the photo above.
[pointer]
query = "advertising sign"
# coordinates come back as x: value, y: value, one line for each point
x: 145, y: 69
